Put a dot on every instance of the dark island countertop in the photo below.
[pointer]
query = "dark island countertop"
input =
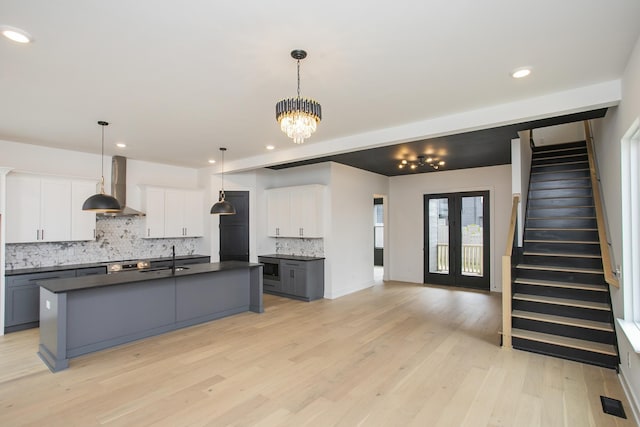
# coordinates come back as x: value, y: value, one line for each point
x: 291, y: 257
x: 124, y: 277
x: 47, y: 269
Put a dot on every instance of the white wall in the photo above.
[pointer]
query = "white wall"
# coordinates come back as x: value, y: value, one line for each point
x: 406, y: 217
x: 349, y: 243
x: 520, y: 173
x: 608, y: 134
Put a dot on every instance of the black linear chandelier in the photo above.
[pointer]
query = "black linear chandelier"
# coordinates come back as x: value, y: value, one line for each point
x: 420, y: 161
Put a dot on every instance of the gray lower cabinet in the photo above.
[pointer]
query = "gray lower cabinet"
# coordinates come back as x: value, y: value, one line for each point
x: 296, y: 279
x: 22, y: 299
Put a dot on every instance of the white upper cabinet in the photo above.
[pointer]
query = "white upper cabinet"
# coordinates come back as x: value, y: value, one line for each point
x: 295, y: 211
x: 83, y: 223
x: 48, y: 209
x: 173, y: 212
x: 278, y: 212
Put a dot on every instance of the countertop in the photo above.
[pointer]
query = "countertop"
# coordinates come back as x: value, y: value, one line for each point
x: 89, y: 282
x: 88, y: 265
x: 291, y: 257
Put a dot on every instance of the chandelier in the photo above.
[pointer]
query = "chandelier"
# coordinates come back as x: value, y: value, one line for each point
x: 422, y: 161
x: 298, y: 117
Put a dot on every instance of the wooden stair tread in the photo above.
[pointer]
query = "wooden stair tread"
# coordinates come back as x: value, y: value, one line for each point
x: 562, y: 320
x: 559, y: 229
x: 557, y: 284
x: 562, y: 156
x: 581, y: 178
x: 560, y: 171
x: 559, y: 163
x: 563, y: 301
x: 562, y: 255
x: 560, y: 268
x: 573, y: 242
x: 558, y: 197
x: 565, y: 342
x: 561, y: 207
x: 552, y: 218
x: 554, y: 150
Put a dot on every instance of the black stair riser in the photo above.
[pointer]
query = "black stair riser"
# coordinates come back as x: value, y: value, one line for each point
x: 562, y: 248
x: 560, y: 202
x: 548, y: 291
x: 561, y: 276
x: 566, y: 158
x: 560, y: 167
x: 561, y: 212
x: 559, y: 192
x: 593, y: 335
x: 546, y: 148
x: 555, y: 153
x: 548, y: 176
x: 562, y: 310
x: 571, y: 235
x: 560, y: 183
x: 598, y: 359
x: 561, y: 223
x: 563, y: 261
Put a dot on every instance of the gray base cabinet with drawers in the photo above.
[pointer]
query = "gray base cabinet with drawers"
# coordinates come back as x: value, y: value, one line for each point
x: 296, y: 278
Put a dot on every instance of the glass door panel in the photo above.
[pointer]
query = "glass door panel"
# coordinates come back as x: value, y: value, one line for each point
x: 471, y: 261
x: 456, y: 239
x: 439, y: 236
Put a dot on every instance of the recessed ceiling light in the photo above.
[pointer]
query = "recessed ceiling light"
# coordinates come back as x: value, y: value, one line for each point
x: 121, y: 145
x: 270, y: 147
x: 212, y: 161
x: 521, y: 72
x: 16, y: 34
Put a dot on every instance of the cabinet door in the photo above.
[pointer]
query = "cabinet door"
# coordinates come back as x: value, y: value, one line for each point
x: 306, y: 208
x: 22, y: 305
x: 23, y: 209
x: 83, y: 223
x: 55, y: 210
x: 173, y: 213
x: 194, y: 213
x: 154, y: 210
x: 278, y: 213
x: 287, y: 279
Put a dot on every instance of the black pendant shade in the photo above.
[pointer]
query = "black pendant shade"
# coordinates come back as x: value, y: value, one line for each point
x: 101, y: 202
x: 222, y: 207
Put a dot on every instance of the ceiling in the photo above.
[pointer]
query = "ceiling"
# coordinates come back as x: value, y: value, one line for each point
x: 177, y: 80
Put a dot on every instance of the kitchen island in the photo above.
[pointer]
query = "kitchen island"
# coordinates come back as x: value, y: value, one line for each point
x: 80, y: 315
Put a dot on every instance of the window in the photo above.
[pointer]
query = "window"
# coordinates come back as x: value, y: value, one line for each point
x: 378, y: 225
x: 630, y: 164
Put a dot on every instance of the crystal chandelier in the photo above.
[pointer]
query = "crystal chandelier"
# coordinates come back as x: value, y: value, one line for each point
x: 298, y: 117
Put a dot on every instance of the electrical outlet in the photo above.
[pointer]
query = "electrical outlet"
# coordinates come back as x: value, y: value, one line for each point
x: 47, y: 304
x: 618, y: 272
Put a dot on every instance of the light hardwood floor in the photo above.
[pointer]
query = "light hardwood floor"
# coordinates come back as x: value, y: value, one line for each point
x: 396, y: 354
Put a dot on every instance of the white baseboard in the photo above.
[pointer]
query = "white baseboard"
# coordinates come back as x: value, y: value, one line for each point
x: 633, y: 401
x: 342, y: 292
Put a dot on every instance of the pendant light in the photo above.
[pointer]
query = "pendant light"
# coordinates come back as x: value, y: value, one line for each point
x: 222, y: 207
x: 101, y: 202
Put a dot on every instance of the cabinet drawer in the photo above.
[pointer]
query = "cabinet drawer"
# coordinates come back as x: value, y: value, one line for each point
x: 92, y: 271
x: 25, y: 279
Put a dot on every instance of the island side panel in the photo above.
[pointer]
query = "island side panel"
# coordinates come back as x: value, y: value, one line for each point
x: 204, y: 297
x: 256, y: 304
x: 53, y: 330
x: 102, y: 317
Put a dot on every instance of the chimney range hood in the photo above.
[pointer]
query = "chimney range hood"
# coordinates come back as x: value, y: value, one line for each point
x: 119, y: 188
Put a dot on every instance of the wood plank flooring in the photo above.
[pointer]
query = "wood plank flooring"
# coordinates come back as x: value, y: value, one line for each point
x: 396, y: 354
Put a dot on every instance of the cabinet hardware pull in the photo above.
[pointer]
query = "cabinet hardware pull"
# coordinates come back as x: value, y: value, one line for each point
x: 148, y: 232
x: 42, y: 234
x: 37, y: 234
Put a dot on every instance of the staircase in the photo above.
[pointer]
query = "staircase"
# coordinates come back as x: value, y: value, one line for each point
x: 561, y: 304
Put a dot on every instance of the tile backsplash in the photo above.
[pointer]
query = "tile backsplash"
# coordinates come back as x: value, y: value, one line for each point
x: 302, y: 247
x: 117, y: 239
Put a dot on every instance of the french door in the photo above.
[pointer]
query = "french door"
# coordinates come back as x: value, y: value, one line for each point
x: 456, y: 239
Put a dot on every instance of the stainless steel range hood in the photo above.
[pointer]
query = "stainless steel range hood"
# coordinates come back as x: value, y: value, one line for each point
x: 119, y: 187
